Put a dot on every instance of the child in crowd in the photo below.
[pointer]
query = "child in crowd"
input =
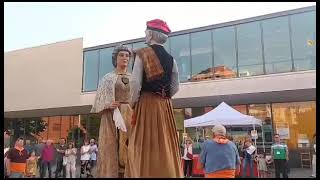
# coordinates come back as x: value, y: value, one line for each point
x: 262, y: 166
x: 32, y: 165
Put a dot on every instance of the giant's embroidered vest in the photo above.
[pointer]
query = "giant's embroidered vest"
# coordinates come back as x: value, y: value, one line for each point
x: 160, y: 86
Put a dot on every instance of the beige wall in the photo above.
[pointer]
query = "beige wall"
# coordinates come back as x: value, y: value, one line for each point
x: 48, y: 76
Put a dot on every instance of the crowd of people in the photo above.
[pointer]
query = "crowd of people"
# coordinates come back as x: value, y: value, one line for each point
x: 221, y: 157
x: 37, y: 160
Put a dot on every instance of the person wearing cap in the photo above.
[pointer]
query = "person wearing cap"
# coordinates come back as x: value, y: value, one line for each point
x: 153, y: 149
x: 112, y: 103
x: 219, y: 156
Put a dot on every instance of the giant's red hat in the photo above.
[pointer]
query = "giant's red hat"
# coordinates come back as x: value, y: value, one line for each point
x: 158, y: 25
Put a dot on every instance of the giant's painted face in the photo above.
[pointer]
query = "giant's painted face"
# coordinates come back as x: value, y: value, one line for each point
x: 123, y: 58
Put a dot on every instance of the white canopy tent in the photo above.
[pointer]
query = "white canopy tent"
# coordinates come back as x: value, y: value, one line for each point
x: 224, y: 115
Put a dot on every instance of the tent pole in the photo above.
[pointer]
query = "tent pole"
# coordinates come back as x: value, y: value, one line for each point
x: 197, y: 137
x: 264, y: 148
x: 255, y: 139
x: 203, y: 133
x: 255, y: 142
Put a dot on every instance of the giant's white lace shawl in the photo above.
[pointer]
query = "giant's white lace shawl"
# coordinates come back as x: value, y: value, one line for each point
x: 105, y: 96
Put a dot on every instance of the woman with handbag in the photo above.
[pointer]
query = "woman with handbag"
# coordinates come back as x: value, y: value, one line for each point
x: 69, y: 160
x: 188, y: 158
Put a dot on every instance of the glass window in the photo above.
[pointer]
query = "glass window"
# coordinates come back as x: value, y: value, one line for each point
x: 207, y: 109
x: 167, y: 45
x: 201, y: 53
x: 54, y: 128
x: 65, y: 126
x: 105, y: 64
x: 131, y: 59
x: 197, y: 111
x: 91, y: 61
x: 44, y: 134
x: 180, y: 50
x: 240, y: 108
x: 139, y: 45
x: 303, y: 29
x: 29, y: 128
x: 93, y: 125
x: 277, y: 45
x: 224, y: 51
x: 73, y: 128
x: 79, y: 132
x: 136, y: 46
x: 191, y: 132
x: 295, y: 122
x: 263, y: 112
x: 187, y: 113
x: 179, y: 117
x: 249, y: 49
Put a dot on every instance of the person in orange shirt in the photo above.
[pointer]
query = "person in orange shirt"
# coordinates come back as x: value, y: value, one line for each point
x: 16, y: 160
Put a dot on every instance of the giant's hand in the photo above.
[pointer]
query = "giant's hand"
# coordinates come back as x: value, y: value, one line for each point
x: 114, y: 105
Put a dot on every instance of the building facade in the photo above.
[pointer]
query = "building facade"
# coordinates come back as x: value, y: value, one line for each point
x: 263, y: 66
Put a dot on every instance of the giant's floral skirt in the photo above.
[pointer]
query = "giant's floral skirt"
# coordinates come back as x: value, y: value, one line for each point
x: 112, y: 147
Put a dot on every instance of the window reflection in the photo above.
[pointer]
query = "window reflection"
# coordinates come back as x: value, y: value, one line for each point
x: 249, y: 49
x: 296, y: 122
x: 179, y: 120
x: 92, y: 124
x: 187, y: 113
x: 166, y: 45
x: 224, y: 51
x: 91, y: 60
x: 130, y: 66
x: 241, y: 108
x: 201, y: 53
x: 304, y: 40
x: 54, y: 128
x: 277, y: 45
x: 207, y: 109
x: 197, y: 111
x: 135, y: 47
x: 139, y: 45
x: 263, y: 112
x: 105, y: 64
x: 180, y: 50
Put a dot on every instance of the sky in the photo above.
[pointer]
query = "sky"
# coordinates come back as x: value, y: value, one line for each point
x: 30, y: 24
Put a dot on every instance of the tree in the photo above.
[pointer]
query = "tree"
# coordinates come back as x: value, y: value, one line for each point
x: 76, y: 137
x: 28, y: 126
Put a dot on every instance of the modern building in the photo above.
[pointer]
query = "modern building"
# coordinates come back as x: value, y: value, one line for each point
x: 263, y: 66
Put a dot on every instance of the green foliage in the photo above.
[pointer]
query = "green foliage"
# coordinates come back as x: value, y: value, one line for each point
x: 27, y: 127
x: 76, y: 135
